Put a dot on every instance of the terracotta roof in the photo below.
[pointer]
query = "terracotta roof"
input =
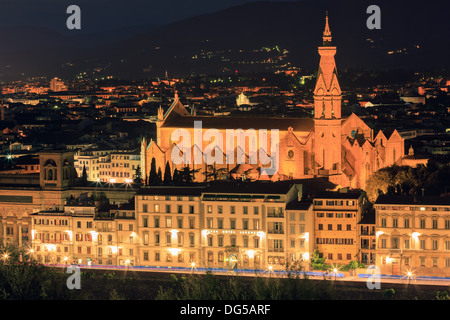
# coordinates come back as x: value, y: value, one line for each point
x: 411, y: 200
x: 298, y: 124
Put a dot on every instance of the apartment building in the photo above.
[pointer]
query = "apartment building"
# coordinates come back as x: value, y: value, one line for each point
x: 413, y: 234
x: 107, y: 165
x: 300, y: 232
x: 336, y: 217
x: 367, y: 239
x: 169, y: 221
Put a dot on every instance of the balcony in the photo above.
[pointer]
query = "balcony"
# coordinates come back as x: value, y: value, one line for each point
x: 368, y: 246
x: 276, y: 249
x: 275, y: 231
x: 275, y: 215
x: 367, y: 233
x: 395, y: 251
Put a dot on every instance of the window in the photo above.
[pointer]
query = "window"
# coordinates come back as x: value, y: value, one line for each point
x: 168, y: 222
x: 383, y: 243
x: 232, y: 209
x: 292, y: 216
x: 301, y: 216
x: 395, y: 223
x: 220, y: 223
x: 168, y: 208
x: 406, y: 261
x: 191, y: 209
x: 320, y: 226
x: 435, y: 224
x: 422, y: 244
x: 349, y: 227
x: 144, y: 208
x: 180, y: 223
x: 209, y: 208
x: 330, y: 227
x: 447, y: 224
x: 219, y: 209
x: 422, y: 223
x: 256, y: 224
x: 210, y: 241
x: 191, y: 239
x: 156, y: 208
x: 407, y: 244
x: 156, y: 222
x: 292, y: 243
x: 302, y: 228
x: 435, y: 245
x: 245, y: 224
x: 256, y: 242
x: 435, y: 262
x: 383, y: 223
x: 144, y: 222
x: 120, y: 227
x: 292, y: 229
x: 145, y: 255
x: 232, y: 224
x: 255, y: 210
x: 220, y: 241
x: 209, y: 223
x: 168, y: 238
x: 180, y: 209
x: 447, y: 245
x: 245, y: 210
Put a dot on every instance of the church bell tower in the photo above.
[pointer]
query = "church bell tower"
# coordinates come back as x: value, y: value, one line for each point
x: 327, y: 110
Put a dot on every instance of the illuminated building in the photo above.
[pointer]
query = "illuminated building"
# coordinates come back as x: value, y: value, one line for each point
x: 345, y: 150
x: 57, y: 85
x: 412, y: 234
x: 336, y: 217
x: 107, y: 165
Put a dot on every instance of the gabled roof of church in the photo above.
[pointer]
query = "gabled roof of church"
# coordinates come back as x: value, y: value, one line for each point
x: 175, y: 110
x: 298, y: 124
x: 153, y: 143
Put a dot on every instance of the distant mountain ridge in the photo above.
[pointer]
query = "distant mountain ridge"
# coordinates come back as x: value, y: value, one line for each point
x: 413, y: 34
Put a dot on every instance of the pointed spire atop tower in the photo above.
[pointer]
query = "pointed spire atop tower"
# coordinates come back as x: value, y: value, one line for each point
x: 160, y: 113
x: 327, y: 32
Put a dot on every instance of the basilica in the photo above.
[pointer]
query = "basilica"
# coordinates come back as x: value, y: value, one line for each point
x: 345, y: 150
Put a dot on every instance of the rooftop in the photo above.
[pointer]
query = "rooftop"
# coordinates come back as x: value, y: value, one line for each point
x: 411, y: 200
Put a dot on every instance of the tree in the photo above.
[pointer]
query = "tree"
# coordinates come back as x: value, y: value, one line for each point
x: 214, y: 173
x: 317, y: 263
x: 137, y: 175
x: 22, y: 277
x: 188, y: 175
x: 84, y: 177
x: 177, y: 179
x: 153, y: 175
x: 159, y: 175
x: 167, y: 174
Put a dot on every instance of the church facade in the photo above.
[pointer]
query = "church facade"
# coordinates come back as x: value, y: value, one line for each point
x: 345, y: 150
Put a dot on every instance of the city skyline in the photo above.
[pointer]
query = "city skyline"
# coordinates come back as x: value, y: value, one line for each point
x: 248, y: 141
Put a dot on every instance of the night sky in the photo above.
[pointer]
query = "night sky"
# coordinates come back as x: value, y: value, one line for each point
x: 101, y: 15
